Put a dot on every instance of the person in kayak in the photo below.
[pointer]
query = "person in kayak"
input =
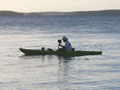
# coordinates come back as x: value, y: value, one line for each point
x: 67, y: 47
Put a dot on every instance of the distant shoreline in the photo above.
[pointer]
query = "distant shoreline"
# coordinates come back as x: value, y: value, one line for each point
x: 100, y: 12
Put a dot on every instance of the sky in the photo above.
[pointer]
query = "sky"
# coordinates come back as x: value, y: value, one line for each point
x: 58, y: 5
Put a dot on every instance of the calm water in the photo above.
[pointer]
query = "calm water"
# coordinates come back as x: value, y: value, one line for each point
x: 99, y: 72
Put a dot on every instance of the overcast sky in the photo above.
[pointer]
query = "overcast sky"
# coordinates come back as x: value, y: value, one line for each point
x: 58, y: 5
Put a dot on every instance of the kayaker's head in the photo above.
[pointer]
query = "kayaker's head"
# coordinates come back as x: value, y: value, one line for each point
x: 64, y: 38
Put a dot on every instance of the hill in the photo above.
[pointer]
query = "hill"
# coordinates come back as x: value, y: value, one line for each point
x: 102, y: 12
x: 10, y: 13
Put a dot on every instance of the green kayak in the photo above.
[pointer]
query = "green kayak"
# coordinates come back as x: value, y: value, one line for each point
x: 59, y: 53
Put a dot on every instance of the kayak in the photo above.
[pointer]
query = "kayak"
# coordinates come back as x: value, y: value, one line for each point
x: 58, y: 53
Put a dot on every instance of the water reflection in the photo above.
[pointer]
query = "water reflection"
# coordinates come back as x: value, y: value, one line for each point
x: 50, y: 70
x: 43, y: 57
x: 64, y: 71
x: 65, y: 59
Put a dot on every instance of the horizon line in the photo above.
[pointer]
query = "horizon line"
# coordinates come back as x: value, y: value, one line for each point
x: 61, y: 11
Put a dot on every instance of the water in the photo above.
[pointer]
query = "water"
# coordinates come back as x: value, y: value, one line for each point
x: 99, y: 72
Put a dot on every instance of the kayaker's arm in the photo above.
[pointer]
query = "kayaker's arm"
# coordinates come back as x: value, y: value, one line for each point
x: 62, y: 46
